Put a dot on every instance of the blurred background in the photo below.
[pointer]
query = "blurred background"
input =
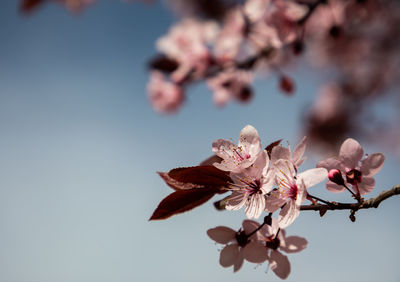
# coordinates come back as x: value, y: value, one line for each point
x: 80, y: 147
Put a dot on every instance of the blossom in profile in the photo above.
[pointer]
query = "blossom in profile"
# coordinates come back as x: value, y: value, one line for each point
x: 276, y: 242
x: 165, y: 96
x: 295, y: 157
x: 250, y: 187
x: 355, y: 170
x: 236, y: 158
x: 292, y: 190
x: 239, y: 246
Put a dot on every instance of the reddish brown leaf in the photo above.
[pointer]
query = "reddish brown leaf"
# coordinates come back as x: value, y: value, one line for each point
x: 200, y: 177
x: 182, y: 201
x: 211, y: 160
x: 271, y: 146
x: 176, y: 185
x: 28, y: 6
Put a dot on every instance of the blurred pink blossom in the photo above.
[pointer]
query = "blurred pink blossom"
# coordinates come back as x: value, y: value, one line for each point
x: 165, y: 96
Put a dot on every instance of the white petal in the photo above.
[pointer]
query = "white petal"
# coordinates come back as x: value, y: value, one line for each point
x: 288, y: 214
x: 299, y: 152
x: 236, y: 201
x: 274, y: 202
x: 284, y: 171
x: 249, y: 141
x: 280, y: 152
x: 312, y: 176
x: 223, y: 148
x: 260, y: 164
x: 255, y: 205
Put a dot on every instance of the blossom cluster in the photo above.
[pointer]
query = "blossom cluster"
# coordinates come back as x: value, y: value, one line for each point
x: 354, y: 40
x: 254, y: 175
x: 264, y: 181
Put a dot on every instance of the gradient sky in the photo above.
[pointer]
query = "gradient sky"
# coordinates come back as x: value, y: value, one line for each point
x: 80, y: 146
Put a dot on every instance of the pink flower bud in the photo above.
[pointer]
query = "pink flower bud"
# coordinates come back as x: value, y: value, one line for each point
x: 286, y: 85
x: 335, y: 176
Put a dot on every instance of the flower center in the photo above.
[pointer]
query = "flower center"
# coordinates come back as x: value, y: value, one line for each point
x: 353, y: 176
x: 272, y: 243
x: 241, y: 238
x: 254, y: 187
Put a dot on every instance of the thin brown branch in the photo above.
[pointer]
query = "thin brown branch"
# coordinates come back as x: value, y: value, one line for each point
x: 370, y: 203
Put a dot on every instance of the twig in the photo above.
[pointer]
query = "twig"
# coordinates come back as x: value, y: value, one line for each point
x: 371, y: 203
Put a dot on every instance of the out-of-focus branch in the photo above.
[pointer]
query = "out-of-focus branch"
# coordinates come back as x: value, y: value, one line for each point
x: 370, y: 203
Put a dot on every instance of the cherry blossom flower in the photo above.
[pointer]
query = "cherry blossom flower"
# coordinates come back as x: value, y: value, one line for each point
x: 231, y: 38
x: 276, y: 241
x: 295, y: 157
x: 231, y: 84
x: 238, y: 245
x: 292, y: 190
x: 187, y: 43
x: 165, y: 96
x: 250, y: 187
x: 355, y: 171
x: 236, y: 158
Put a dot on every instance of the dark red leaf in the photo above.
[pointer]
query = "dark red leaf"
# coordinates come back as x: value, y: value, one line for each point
x: 200, y: 177
x: 322, y: 211
x: 271, y: 146
x: 28, y: 6
x: 182, y: 201
x: 211, y: 160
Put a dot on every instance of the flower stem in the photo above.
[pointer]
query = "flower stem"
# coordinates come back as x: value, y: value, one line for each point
x: 319, y: 199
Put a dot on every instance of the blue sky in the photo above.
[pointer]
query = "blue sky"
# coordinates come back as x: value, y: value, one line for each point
x: 80, y: 146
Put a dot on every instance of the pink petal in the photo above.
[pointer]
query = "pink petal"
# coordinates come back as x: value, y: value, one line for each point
x: 249, y: 226
x: 288, y: 214
x: 221, y: 234
x: 279, y: 264
x: 366, y: 185
x: 236, y: 201
x: 239, y: 261
x: 259, y: 165
x: 255, y: 252
x: 330, y: 163
x: 249, y: 141
x: 312, y: 176
x: 268, y: 182
x: 223, y: 148
x: 274, y: 201
x: 280, y: 152
x: 284, y: 169
x: 294, y: 244
x: 350, y: 153
x: 372, y: 164
x: 229, y: 255
x: 333, y: 187
x: 299, y: 152
x: 255, y: 205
